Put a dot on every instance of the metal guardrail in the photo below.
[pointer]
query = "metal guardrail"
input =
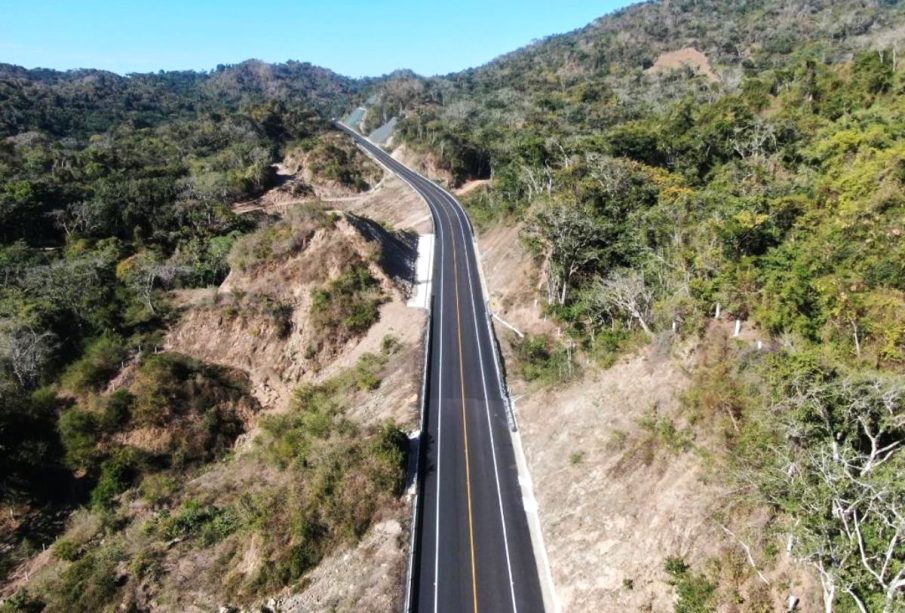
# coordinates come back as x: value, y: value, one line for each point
x: 414, y: 549
x: 544, y: 571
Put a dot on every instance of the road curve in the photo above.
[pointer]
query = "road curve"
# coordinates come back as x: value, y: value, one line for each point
x: 472, y: 546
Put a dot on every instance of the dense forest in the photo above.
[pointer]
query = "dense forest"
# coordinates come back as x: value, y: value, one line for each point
x: 764, y: 183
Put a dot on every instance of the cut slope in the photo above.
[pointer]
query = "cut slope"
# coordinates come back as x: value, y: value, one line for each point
x: 260, y: 319
x: 620, y: 486
x: 214, y: 539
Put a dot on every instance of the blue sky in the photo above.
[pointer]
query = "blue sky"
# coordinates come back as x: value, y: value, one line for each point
x: 352, y: 37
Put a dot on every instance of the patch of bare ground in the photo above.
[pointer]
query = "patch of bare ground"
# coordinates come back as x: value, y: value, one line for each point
x: 685, y: 57
x: 392, y: 203
x: 258, y: 321
x: 290, y: 189
x: 513, y: 279
x: 471, y: 186
x: 426, y: 164
x: 611, y: 509
x: 619, y: 487
x: 356, y: 578
x: 21, y: 565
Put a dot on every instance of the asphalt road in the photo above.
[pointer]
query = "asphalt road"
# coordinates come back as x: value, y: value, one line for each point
x: 473, y: 548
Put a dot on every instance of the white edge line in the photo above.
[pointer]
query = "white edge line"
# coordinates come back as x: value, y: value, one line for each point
x: 439, y: 426
x: 496, y: 472
x: 437, y: 228
x: 548, y: 588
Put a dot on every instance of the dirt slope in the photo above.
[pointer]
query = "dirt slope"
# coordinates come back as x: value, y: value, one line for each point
x: 391, y: 202
x: 237, y: 327
x: 688, y: 57
x: 426, y: 164
x: 367, y: 574
x: 618, y: 490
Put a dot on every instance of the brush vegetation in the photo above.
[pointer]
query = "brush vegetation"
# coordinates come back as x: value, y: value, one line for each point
x: 115, y: 191
x: 769, y: 182
x: 767, y: 186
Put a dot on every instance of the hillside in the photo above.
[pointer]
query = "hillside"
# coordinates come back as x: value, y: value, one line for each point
x: 623, y: 66
x: 690, y: 216
x: 295, y: 370
x: 696, y: 208
x: 141, y: 459
x: 78, y: 103
x: 315, y: 373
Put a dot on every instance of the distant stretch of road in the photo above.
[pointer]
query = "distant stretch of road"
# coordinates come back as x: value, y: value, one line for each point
x: 473, y: 549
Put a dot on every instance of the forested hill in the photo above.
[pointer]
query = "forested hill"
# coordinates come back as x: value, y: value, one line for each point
x: 682, y: 160
x: 624, y: 65
x: 113, y: 191
x: 82, y: 102
x: 735, y: 36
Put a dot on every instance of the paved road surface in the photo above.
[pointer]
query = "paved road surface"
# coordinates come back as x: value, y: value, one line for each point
x: 473, y: 548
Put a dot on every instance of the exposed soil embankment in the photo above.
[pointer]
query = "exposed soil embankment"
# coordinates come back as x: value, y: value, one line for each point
x: 392, y: 203
x: 260, y: 319
x: 620, y: 482
x: 425, y: 163
x: 689, y: 58
x: 268, y: 319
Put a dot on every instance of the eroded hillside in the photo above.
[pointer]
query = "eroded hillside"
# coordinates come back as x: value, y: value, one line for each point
x: 709, y: 288
x: 298, y: 292
x: 286, y: 387
x: 629, y: 479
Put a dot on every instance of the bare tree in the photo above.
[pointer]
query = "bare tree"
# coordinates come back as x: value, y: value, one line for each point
x: 612, y: 175
x: 536, y: 181
x: 841, y: 473
x: 152, y: 273
x: 26, y: 351
x: 754, y: 143
x: 78, y: 218
x: 625, y: 293
x: 568, y: 236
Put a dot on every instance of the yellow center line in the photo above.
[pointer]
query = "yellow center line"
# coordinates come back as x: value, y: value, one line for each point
x: 474, y: 582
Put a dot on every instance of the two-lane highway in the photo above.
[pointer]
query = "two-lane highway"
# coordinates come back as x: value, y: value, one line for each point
x: 473, y: 547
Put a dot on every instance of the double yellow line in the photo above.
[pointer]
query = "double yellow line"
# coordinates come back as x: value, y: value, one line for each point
x: 474, y: 577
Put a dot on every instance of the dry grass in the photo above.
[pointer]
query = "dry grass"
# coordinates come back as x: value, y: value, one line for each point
x: 630, y: 474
